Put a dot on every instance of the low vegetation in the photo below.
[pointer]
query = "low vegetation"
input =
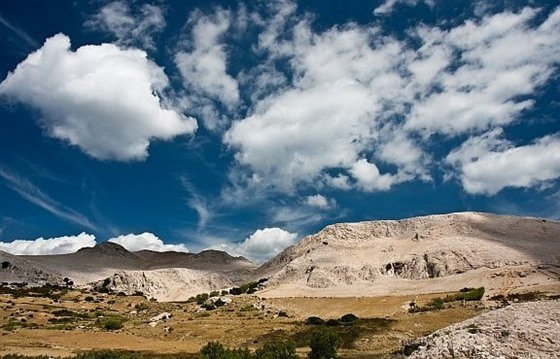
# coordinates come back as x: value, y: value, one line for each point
x: 22, y: 290
x: 438, y: 303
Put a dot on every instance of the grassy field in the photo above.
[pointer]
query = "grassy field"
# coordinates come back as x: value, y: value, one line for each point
x: 63, y: 323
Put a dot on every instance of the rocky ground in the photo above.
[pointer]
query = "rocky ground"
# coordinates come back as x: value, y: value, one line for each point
x: 524, y: 330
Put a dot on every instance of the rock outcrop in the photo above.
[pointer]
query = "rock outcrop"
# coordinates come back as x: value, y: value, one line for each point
x: 422, y: 254
x: 173, y: 284
x: 524, y: 330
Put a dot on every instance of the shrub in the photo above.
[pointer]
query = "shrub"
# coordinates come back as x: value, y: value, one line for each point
x: 112, y: 323
x: 314, y: 321
x: 214, y: 293
x: 209, y: 306
x: 64, y: 313
x: 348, y: 318
x: 283, y: 314
x: 436, y: 303
x: 141, y: 306
x: 201, y: 298
x: 219, y: 302
x: 332, y: 322
x: 108, y: 354
x: 468, y: 294
x: 249, y: 287
x: 215, y: 350
x: 277, y: 350
x: 324, y: 344
x: 235, y: 291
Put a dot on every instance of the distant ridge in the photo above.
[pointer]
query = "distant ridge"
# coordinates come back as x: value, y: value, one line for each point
x: 90, y: 264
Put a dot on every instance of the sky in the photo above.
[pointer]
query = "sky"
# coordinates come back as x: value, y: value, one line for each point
x: 246, y: 125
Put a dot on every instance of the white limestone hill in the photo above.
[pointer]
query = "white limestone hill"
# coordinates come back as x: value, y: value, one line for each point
x: 171, y: 284
x: 436, y: 253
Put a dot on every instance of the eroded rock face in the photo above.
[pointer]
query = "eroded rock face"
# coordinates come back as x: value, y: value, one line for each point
x: 525, y: 330
x: 164, y: 284
x: 378, y: 253
x: 439, y: 264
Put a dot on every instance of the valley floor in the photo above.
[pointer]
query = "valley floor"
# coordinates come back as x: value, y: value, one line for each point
x: 76, y: 321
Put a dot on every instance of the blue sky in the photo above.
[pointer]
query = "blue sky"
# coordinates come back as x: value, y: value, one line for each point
x: 246, y: 125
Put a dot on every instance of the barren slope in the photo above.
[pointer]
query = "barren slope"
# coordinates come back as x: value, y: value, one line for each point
x: 171, y: 284
x: 105, y: 259
x: 419, y: 255
x: 16, y: 269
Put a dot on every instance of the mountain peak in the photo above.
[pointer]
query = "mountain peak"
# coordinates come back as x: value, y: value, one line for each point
x: 107, y: 248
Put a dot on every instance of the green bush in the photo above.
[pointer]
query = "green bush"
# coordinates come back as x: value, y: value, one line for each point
x: 277, y: 350
x: 111, y: 323
x: 215, y: 350
x: 324, y: 344
x: 314, y: 321
x: 201, y: 298
x: 64, y: 313
x: 468, y: 294
x: 108, y: 354
x: 236, y: 291
x: 332, y: 322
x: 249, y: 287
x: 348, y: 318
x: 435, y: 303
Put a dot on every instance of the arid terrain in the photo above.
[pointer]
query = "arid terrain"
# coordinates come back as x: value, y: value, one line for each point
x: 402, y: 280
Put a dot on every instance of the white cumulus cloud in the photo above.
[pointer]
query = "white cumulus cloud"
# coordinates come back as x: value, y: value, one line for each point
x: 352, y: 93
x: 105, y: 100
x: 146, y: 240
x: 46, y: 246
x: 319, y: 201
x: 488, y: 163
x: 204, y: 67
x: 266, y: 243
x: 262, y: 245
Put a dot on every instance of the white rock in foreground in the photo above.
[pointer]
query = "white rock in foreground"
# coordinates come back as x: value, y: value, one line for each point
x: 525, y: 330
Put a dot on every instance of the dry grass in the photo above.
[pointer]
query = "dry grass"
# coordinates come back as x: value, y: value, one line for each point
x: 33, y: 331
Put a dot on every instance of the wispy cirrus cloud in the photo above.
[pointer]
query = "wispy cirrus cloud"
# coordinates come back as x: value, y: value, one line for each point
x: 33, y: 194
x: 132, y: 24
x: 197, y: 202
x: 22, y: 34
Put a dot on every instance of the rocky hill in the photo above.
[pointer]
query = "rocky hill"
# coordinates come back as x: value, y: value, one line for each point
x: 172, y: 284
x: 524, y: 330
x: 106, y: 259
x: 16, y: 269
x: 427, y: 254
